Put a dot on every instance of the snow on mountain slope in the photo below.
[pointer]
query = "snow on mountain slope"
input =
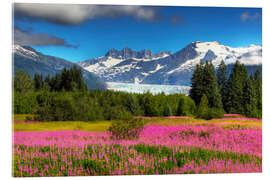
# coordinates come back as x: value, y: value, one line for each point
x: 116, y: 64
x: 165, y: 68
x: 251, y: 55
x: 25, y: 51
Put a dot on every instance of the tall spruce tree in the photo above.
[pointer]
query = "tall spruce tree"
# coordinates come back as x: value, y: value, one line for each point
x: 203, y: 107
x: 258, y: 90
x: 236, y: 83
x: 211, y: 88
x: 23, y: 82
x: 196, y: 90
x: 249, y: 97
x: 167, y: 110
x: 222, y: 82
x: 38, y: 81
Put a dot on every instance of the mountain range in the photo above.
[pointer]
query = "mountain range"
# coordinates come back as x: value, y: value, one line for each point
x: 144, y: 67
x: 29, y: 60
x: 140, y: 67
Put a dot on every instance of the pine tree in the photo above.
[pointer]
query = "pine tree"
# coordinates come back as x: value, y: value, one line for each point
x: 23, y: 82
x: 196, y: 90
x: 222, y: 82
x: 38, y: 81
x: 258, y: 90
x: 203, y: 107
x: 236, y: 82
x: 211, y: 88
x: 183, y: 108
x: 167, y: 110
x: 250, y: 100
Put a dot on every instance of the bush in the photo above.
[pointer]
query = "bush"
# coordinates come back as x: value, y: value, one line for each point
x: 126, y: 129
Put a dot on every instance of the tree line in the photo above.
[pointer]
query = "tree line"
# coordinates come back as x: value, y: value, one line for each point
x: 65, y: 97
x: 68, y: 80
x: 217, y: 91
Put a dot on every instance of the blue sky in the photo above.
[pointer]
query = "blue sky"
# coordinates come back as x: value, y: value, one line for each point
x: 82, y: 32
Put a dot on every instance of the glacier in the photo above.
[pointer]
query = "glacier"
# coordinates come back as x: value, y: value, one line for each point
x: 143, y: 88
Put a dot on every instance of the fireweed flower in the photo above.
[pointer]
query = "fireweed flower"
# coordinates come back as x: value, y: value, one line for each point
x: 158, y: 150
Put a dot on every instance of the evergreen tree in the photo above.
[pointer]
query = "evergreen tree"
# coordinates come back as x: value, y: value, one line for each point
x: 203, y: 107
x: 196, y: 90
x: 250, y: 101
x: 183, y: 108
x: 132, y: 105
x: 258, y: 90
x: 236, y: 82
x: 222, y: 81
x: 23, y: 82
x: 167, y: 110
x: 211, y: 88
x: 38, y: 81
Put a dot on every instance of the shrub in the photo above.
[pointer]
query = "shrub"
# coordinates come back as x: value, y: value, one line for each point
x: 126, y: 129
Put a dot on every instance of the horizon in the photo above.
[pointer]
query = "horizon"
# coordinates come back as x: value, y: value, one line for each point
x: 92, y: 30
x: 171, y: 52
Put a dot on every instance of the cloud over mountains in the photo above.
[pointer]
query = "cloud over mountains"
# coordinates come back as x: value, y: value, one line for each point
x: 76, y: 14
x: 28, y: 37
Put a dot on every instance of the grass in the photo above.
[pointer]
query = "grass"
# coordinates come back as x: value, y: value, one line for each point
x: 100, y: 126
x: 118, y: 159
x: 62, y: 125
x: 228, y: 123
x: 21, y: 117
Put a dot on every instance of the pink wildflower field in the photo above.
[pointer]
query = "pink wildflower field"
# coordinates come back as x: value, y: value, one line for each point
x: 158, y: 150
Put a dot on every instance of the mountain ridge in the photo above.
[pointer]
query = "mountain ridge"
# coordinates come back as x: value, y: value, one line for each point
x: 128, y: 66
x: 29, y: 60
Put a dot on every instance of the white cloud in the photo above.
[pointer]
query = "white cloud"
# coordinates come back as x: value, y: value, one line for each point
x: 74, y: 14
x: 247, y: 16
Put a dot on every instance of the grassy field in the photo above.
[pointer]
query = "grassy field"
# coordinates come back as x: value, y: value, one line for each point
x: 20, y: 124
x: 174, y: 145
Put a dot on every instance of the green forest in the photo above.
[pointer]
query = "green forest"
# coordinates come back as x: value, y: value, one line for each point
x: 65, y: 97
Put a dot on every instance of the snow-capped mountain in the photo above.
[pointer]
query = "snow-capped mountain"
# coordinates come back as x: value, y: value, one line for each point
x: 29, y: 60
x: 166, y: 68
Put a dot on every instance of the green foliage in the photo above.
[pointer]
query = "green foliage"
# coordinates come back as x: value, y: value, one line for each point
x: 204, y: 82
x: 197, y: 86
x: 150, y: 105
x: 167, y: 110
x: 250, y: 100
x: 236, y: 83
x: 222, y: 81
x: 24, y: 103
x: 206, y: 112
x: 23, y: 82
x: 38, y: 81
x: 183, y: 108
x: 203, y: 107
x: 133, y: 105
x: 237, y: 94
x: 68, y: 80
x: 258, y: 91
x: 126, y: 129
